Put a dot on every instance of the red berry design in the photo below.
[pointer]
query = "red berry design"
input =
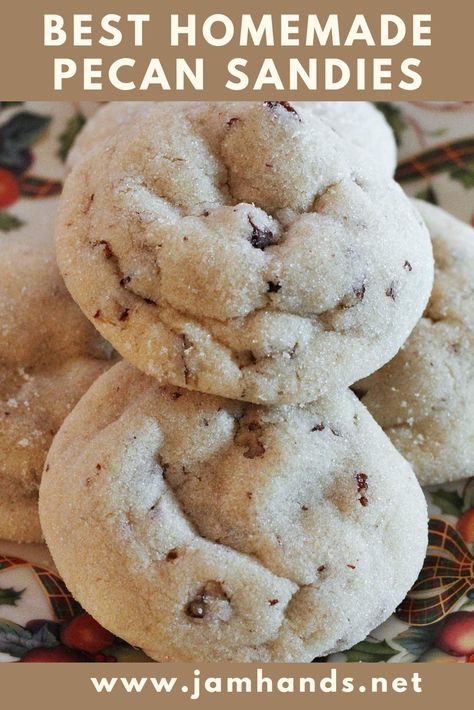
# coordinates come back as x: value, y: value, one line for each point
x: 85, y: 634
x: 102, y: 658
x: 9, y: 188
x: 456, y: 635
x: 58, y: 654
x: 465, y: 525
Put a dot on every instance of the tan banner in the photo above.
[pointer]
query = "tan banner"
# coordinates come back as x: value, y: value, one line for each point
x: 117, y: 686
x: 331, y: 49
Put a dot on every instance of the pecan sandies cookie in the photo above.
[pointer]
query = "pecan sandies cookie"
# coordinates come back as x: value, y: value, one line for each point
x: 244, y: 250
x: 356, y: 121
x: 203, y: 528
x: 49, y: 355
x: 424, y: 398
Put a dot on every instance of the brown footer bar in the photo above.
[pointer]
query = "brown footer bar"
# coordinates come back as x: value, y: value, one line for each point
x: 230, y: 685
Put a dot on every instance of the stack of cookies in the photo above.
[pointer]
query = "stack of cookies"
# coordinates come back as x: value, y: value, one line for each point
x: 49, y: 355
x: 221, y: 494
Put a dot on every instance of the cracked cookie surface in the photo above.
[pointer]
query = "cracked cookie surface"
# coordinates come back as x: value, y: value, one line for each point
x: 357, y: 121
x: 241, y: 532
x: 424, y: 398
x: 243, y: 250
x: 49, y: 355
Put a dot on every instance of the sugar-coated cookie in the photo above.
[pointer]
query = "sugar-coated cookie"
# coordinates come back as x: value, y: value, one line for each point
x: 49, y: 355
x: 424, y: 398
x: 203, y: 528
x: 362, y: 124
x: 357, y: 121
x: 244, y: 250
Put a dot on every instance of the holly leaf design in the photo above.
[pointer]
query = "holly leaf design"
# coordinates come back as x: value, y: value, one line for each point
x: 9, y: 222
x: 16, y: 138
x: 16, y: 640
x: 417, y: 640
x: 10, y: 104
x: 449, y: 502
x: 10, y: 596
x: 127, y: 654
x: 428, y: 195
x: 437, y: 132
x: 394, y: 118
x: 68, y: 136
x: 24, y: 128
x: 468, y: 495
x: 371, y: 652
x: 468, y: 605
x: 464, y: 175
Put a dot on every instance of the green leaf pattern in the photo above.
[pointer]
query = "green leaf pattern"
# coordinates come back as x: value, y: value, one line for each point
x: 16, y: 640
x: 10, y: 596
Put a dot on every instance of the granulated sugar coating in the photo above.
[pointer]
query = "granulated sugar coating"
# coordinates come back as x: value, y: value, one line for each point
x: 240, y: 532
x: 360, y: 123
x: 357, y: 121
x: 244, y: 250
x: 49, y: 355
x: 424, y: 398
